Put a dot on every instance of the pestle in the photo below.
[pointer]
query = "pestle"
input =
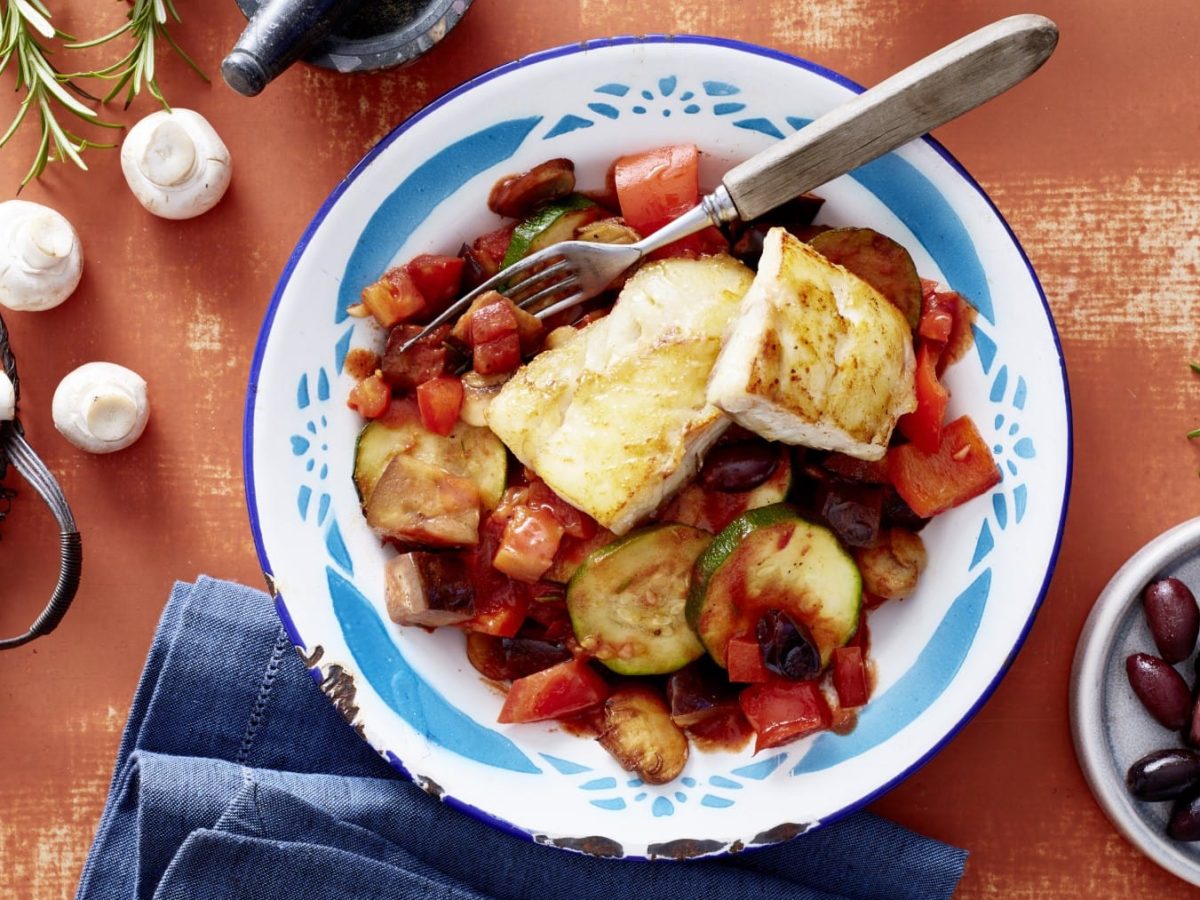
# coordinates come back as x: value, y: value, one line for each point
x: 280, y: 32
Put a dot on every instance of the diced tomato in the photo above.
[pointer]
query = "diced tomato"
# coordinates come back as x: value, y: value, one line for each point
x: 743, y: 660
x: 923, y: 426
x: 425, y: 359
x: 438, y: 278
x: 502, y: 610
x: 783, y: 711
x: 370, y: 396
x: 850, y: 677
x: 488, y: 249
x: 394, y: 298
x: 501, y: 604
x: 657, y: 186
x: 439, y: 400
x: 527, y: 547
x: 567, y: 688
x: 575, y: 523
x: 937, y: 316
x: 961, y: 335
x: 961, y: 468
x: 495, y: 320
x: 498, y: 356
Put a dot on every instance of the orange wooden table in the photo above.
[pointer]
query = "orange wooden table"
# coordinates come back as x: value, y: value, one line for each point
x: 1094, y: 162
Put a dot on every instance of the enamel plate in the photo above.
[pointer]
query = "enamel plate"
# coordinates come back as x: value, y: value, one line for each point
x: 412, y: 694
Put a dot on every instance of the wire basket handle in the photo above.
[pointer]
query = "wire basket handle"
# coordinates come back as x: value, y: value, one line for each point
x: 15, y: 450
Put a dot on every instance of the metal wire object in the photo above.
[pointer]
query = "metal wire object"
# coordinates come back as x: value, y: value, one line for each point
x: 15, y: 450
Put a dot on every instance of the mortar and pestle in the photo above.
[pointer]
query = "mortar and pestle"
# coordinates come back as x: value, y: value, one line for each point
x: 344, y: 35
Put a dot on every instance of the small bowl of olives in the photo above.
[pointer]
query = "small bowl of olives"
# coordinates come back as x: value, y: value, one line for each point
x: 1135, y: 700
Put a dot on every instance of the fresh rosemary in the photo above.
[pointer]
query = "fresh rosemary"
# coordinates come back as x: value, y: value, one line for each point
x: 47, y: 91
x: 25, y: 27
x: 147, y: 24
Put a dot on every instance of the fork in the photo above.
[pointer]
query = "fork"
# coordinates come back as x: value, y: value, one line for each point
x: 929, y: 93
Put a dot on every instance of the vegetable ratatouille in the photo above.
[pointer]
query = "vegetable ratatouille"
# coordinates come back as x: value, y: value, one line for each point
x: 729, y: 599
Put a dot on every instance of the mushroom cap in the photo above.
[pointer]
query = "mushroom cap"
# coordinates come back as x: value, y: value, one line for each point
x: 8, y: 398
x: 101, y: 407
x: 41, y: 259
x: 176, y: 164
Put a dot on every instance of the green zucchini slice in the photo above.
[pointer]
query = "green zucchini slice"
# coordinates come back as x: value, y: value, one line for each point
x: 626, y: 601
x: 550, y: 224
x: 770, y: 558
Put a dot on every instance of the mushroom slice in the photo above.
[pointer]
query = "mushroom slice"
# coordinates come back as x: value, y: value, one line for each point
x: 176, y: 164
x: 101, y: 407
x: 41, y: 260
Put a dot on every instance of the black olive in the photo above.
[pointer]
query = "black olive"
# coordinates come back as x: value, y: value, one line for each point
x: 787, y: 646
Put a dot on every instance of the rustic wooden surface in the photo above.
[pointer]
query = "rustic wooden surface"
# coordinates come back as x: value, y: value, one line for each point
x: 1093, y: 162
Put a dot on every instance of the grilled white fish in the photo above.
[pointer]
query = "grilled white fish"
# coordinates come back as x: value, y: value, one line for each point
x: 815, y: 355
x: 615, y: 419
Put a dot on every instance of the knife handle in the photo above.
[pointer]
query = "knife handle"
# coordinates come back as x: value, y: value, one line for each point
x: 929, y: 93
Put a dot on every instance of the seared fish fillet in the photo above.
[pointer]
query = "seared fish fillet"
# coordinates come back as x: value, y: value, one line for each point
x: 616, y: 419
x: 815, y: 356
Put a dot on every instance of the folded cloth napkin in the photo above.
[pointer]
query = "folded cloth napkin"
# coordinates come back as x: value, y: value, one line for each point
x: 236, y: 778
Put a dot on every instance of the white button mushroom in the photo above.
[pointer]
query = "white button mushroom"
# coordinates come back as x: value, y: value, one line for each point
x: 8, y: 398
x: 101, y: 407
x: 40, y: 256
x: 176, y: 164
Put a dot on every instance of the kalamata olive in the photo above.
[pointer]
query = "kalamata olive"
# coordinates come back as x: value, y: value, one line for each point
x: 1184, y: 824
x: 1193, y: 732
x: 1161, y: 689
x: 787, y: 646
x: 738, y: 466
x: 853, y: 511
x: 1173, y: 617
x: 698, y: 692
x: 1164, y: 774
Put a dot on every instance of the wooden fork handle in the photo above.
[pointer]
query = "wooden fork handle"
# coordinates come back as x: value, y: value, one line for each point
x: 929, y: 93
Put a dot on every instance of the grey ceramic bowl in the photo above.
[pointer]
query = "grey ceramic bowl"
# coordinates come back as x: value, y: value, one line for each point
x: 384, y: 33
x: 1110, y: 728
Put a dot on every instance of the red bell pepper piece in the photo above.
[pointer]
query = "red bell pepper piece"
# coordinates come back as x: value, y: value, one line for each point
x: 923, y: 426
x: 562, y: 690
x: 960, y: 469
x: 937, y: 316
x: 781, y: 711
x: 850, y: 677
x: 743, y: 660
x: 440, y: 399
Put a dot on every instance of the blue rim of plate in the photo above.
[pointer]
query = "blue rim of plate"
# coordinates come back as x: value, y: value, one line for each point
x: 567, y: 50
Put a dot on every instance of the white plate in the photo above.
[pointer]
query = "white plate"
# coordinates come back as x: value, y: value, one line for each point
x: 412, y: 694
x: 1110, y: 728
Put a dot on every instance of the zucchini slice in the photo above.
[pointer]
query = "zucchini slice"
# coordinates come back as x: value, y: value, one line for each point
x: 626, y: 601
x: 550, y: 224
x: 468, y: 451
x: 770, y: 558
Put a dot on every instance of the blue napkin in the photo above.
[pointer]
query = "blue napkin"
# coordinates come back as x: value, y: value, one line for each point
x: 236, y: 778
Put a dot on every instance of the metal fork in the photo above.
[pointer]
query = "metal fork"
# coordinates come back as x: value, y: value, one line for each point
x: 929, y: 93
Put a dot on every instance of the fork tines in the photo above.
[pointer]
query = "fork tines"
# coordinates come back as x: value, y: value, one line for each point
x: 511, y: 284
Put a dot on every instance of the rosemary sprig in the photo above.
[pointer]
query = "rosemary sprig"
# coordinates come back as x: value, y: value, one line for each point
x: 46, y: 89
x: 146, y: 23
